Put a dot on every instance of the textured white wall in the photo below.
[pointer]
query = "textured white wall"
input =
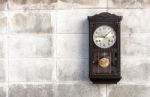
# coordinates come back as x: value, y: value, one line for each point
x: 44, y: 48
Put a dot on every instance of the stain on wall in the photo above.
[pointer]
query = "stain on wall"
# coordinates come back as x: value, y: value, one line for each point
x: 32, y: 70
x: 129, y: 90
x: 31, y: 47
x: 2, y: 72
x: 22, y: 2
x: 2, y: 54
x: 49, y: 1
x: 120, y: 1
x: 124, y: 4
x: 2, y: 91
x: 78, y: 72
x: 87, y: 2
x: 145, y: 1
x: 69, y: 1
x: 3, y: 23
x: 79, y: 90
x: 31, y: 23
x: 3, y: 1
x: 31, y: 91
x: 136, y: 72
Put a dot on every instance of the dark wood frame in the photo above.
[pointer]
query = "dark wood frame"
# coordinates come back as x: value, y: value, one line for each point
x: 95, y: 21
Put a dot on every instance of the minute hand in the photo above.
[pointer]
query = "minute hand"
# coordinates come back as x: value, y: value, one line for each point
x: 107, y: 34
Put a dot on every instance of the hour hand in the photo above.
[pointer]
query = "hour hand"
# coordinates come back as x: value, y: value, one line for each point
x: 100, y: 37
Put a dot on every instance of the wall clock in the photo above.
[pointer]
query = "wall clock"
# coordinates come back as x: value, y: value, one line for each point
x: 104, y: 48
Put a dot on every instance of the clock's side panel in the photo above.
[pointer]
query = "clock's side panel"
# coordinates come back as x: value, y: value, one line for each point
x: 118, y: 31
x: 90, y: 48
x: 93, y: 50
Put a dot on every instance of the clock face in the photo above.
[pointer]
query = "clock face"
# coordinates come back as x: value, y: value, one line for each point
x: 104, y: 36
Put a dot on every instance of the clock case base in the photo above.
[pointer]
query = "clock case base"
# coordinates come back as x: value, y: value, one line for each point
x: 105, y: 80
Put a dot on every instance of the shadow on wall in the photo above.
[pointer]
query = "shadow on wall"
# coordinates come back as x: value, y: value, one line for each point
x: 85, y: 68
x: 78, y: 52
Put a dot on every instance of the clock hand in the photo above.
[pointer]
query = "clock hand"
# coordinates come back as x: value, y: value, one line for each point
x: 100, y: 36
x: 107, y: 34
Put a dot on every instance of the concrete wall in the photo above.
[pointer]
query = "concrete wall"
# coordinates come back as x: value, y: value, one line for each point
x: 44, y: 48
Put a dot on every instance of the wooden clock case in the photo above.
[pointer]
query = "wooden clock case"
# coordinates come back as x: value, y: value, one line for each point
x: 111, y: 74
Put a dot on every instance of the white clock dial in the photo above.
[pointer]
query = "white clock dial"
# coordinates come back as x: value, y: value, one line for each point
x: 104, y: 36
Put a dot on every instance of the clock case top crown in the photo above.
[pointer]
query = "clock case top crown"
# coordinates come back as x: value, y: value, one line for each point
x: 105, y: 16
x: 113, y: 21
